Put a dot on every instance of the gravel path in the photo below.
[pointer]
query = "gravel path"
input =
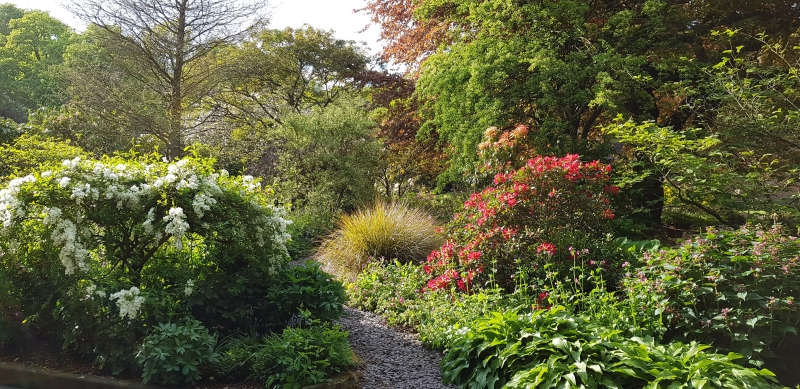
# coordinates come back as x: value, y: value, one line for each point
x: 392, y: 359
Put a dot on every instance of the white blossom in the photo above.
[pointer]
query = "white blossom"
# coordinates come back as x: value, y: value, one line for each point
x: 80, y: 192
x: 148, y: 222
x: 202, y: 203
x: 64, y: 182
x: 92, y: 290
x: 189, y: 289
x: 71, y: 164
x: 250, y: 184
x: 52, y: 215
x: 128, y: 301
x: 176, y: 225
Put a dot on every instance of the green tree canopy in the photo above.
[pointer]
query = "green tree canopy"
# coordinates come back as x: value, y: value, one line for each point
x: 32, y: 43
x: 565, y: 67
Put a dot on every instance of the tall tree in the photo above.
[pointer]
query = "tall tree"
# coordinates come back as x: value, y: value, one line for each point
x: 32, y: 43
x: 271, y: 75
x: 409, y: 39
x: 277, y: 72
x: 167, y: 46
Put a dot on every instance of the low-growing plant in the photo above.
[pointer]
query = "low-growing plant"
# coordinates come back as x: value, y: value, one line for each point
x: 389, y: 289
x: 304, y: 288
x: 396, y: 292
x: 554, y: 349
x: 385, y: 230
x: 735, y: 289
x: 174, y: 353
x: 294, y: 359
x: 537, y: 214
x: 441, y: 314
x: 611, y: 309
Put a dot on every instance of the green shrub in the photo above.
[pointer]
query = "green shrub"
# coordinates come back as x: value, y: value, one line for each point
x: 304, y: 288
x: 554, y: 349
x: 735, y: 289
x: 174, y: 353
x: 395, y: 291
x: 298, y: 357
x: 100, y: 251
x: 29, y: 153
x: 7, y: 307
x: 388, y: 231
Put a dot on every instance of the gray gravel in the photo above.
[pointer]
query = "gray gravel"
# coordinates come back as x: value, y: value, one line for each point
x: 391, y: 359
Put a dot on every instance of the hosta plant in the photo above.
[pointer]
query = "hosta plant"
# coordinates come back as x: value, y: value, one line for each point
x: 544, y: 212
x: 554, y: 349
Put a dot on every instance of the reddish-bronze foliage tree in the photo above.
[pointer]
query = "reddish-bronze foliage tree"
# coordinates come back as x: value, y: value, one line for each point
x: 409, y: 39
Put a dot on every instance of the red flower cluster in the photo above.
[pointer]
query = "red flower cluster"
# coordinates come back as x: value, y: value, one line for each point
x: 546, y: 248
x: 529, y: 216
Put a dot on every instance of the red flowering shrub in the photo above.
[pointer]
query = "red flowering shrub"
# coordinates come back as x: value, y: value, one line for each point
x: 540, y: 213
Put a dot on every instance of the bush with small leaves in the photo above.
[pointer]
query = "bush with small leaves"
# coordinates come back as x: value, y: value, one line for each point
x: 738, y: 290
x: 304, y: 288
x: 543, y: 212
x: 100, y: 251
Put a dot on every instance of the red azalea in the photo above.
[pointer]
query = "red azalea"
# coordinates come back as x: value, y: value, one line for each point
x: 613, y: 189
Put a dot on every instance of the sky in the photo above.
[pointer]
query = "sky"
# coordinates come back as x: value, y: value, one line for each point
x: 334, y: 15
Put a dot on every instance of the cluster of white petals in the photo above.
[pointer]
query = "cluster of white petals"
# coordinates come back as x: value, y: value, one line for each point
x: 10, y: 206
x: 128, y: 301
x: 189, y: 289
x: 202, y: 203
x: 83, y: 190
x: 176, y: 225
x: 73, y: 254
x: 92, y: 291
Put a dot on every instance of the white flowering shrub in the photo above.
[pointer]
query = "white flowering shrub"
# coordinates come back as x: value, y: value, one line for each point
x: 104, y: 249
x: 121, y: 213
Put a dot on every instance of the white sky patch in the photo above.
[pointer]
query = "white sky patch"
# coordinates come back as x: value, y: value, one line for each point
x: 321, y: 14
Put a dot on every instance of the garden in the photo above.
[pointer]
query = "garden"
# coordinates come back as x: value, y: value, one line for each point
x: 569, y: 194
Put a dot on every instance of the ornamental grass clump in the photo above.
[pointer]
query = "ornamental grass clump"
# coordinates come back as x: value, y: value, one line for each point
x: 386, y: 230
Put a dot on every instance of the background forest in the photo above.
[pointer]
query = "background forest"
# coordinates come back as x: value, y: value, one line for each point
x: 559, y: 156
